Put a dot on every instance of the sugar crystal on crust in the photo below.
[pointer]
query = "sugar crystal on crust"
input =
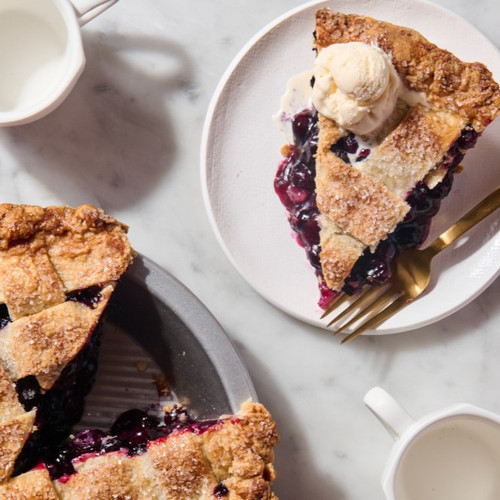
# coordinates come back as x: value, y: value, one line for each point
x: 33, y: 485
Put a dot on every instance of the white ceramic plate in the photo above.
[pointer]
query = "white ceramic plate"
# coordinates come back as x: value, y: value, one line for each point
x: 240, y: 154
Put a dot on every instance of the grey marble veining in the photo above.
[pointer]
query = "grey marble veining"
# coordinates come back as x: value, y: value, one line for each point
x: 128, y: 139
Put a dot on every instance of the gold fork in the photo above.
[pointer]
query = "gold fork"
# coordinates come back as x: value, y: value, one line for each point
x: 411, y: 273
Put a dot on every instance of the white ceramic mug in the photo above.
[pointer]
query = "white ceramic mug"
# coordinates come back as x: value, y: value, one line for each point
x: 41, y: 54
x: 450, y: 454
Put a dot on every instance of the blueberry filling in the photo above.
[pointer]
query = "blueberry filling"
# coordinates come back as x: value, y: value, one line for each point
x: 220, y: 491
x: 294, y: 185
x: 363, y: 154
x: 4, y: 316
x: 130, y: 433
x: 59, y: 408
x: 90, y: 296
x: 346, y: 145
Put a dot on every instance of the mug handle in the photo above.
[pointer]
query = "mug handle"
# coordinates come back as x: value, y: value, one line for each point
x: 86, y: 10
x: 388, y: 411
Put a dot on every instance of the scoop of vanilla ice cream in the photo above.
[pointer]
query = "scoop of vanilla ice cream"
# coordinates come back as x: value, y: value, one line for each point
x: 356, y: 85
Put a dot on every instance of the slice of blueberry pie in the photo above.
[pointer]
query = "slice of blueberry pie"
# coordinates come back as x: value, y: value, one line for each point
x: 373, y: 152
x: 58, y: 269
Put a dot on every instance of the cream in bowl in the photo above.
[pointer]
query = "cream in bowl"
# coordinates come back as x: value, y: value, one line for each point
x: 450, y: 454
x: 41, y: 54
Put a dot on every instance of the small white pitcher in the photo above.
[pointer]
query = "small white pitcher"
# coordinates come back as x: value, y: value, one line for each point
x: 450, y: 454
x: 41, y: 54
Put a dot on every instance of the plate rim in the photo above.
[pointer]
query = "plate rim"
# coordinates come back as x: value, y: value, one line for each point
x: 204, y: 149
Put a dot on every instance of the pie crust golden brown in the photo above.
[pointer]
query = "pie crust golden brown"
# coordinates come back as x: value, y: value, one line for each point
x: 230, y: 459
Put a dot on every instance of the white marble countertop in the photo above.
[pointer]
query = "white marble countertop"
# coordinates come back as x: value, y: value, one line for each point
x: 128, y: 140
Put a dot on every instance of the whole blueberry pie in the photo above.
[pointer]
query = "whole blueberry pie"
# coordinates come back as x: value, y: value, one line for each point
x: 373, y: 152
x: 58, y: 269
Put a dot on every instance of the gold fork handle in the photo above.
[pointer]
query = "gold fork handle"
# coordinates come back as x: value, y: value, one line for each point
x: 470, y: 219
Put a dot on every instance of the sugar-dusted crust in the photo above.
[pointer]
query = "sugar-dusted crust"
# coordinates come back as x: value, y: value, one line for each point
x: 34, y: 485
x: 15, y: 425
x: 44, y: 343
x: 360, y: 204
x: 449, y: 83
x: 45, y: 253
x: 28, y: 281
x: 339, y: 253
x: 23, y: 222
x: 412, y: 150
x: 235, y: 454
x: 247, y: 474
x: 9, y: 405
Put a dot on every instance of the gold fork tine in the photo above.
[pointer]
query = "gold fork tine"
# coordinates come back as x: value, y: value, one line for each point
x: 411, y: 276
x: 377, y: 305
x: 337, y: 302
x: 363, y: 299
x: 393, y: 308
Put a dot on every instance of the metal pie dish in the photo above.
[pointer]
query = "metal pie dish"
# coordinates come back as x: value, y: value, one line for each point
x: 154, y: 324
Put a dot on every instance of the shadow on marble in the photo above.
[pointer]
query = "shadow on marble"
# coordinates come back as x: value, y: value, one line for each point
x: 380, y: 351
x: 293, y: 462
x: 112, y: 141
